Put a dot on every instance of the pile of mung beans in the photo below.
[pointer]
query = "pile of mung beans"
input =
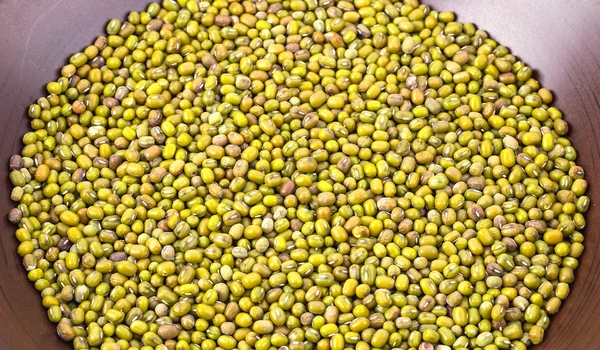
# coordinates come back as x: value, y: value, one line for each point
x: 298, y: 174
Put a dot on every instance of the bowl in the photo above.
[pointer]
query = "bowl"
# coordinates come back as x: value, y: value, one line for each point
x: 559, y: 39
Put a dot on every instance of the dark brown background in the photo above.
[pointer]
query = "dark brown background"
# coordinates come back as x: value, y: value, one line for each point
x: 559, y: 37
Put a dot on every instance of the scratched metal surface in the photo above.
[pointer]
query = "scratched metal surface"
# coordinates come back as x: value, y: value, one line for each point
x: 559, y: 37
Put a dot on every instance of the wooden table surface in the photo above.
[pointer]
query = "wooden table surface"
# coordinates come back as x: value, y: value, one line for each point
x: 560, y: 38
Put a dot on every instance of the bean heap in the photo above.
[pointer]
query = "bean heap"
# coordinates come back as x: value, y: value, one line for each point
x: 298, y: 174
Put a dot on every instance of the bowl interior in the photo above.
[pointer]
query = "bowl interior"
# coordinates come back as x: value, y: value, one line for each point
x: 559, y: 40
